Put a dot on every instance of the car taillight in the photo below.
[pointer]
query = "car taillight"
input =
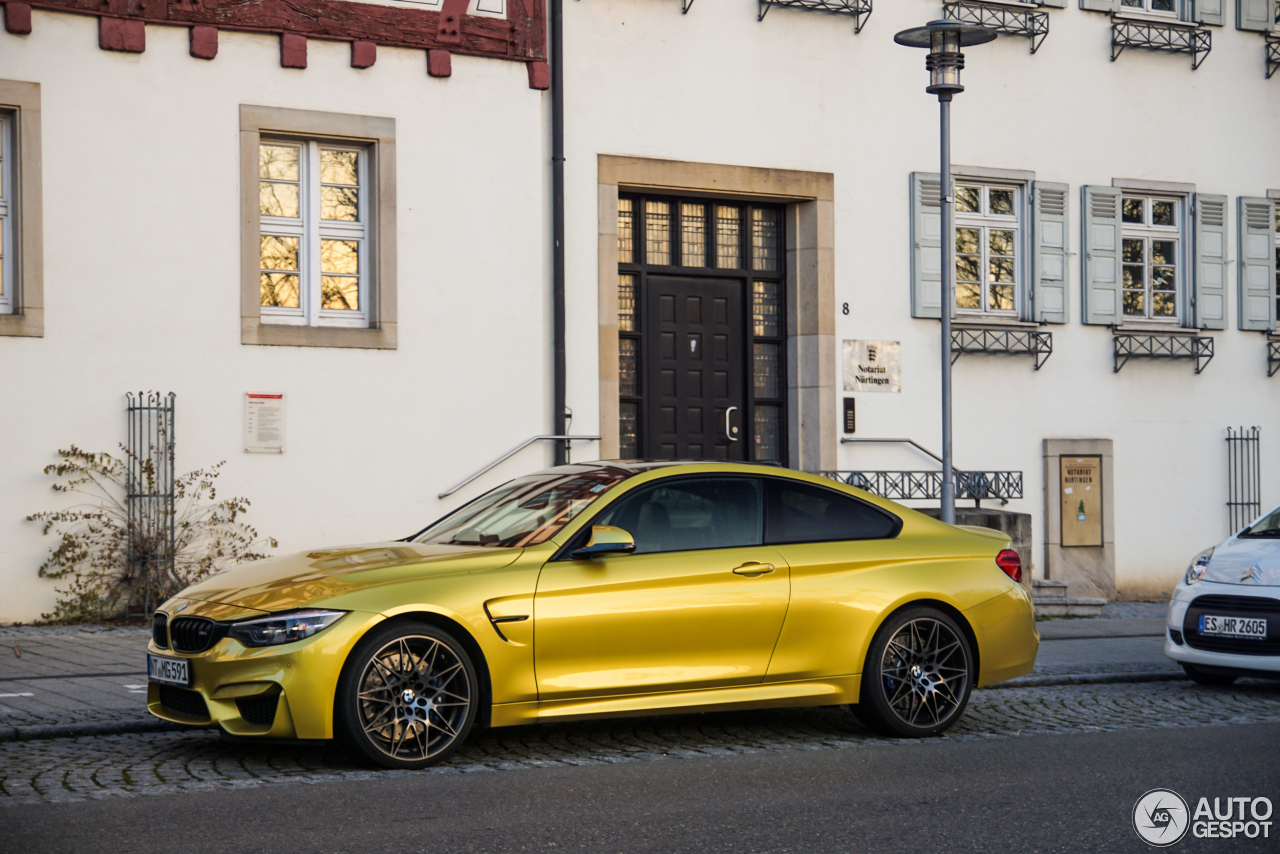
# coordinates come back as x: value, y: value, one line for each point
x: 1011, y: 564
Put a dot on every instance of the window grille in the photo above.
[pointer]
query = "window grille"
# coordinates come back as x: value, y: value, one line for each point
x: 1174, y: 38
x: 149, y: 500
x: 1011, y: 20
x: 859, y: 9
x: 1244, y: 477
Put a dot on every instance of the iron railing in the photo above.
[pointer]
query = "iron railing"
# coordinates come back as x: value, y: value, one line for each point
x: 1244, y: 477
x: 908, y: 485
x: 1196, y: 41
x: 1273, y: 58
x: 1273, y: 358
x: 149, y: 499
x: 1001, y: 18
x: 1012, y: 341
x: 1160, y: 346
x: 859, y: 9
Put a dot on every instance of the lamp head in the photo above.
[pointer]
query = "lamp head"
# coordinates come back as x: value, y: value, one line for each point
x: 944, y: 39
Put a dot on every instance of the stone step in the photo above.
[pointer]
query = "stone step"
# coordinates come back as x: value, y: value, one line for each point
x: 1069, y: 606
x: 1047, y: 590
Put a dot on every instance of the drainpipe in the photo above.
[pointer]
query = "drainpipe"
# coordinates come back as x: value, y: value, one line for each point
x: 559, y: 449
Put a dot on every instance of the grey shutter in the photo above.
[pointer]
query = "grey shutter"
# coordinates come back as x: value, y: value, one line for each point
x: 1209, y: 221
x: 1257, y: 230
x: 1101, y: 267
x: 1209, y: 12
x: 1255, y: 15
x: 1049, y: 267
x: 1099, y: 5
x: 926, y: 245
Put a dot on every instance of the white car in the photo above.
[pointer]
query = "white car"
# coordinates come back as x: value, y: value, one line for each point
x: 1224, y: 619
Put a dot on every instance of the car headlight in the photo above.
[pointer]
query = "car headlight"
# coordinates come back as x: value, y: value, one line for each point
x: 1199, y: 564
x: 283, y: 628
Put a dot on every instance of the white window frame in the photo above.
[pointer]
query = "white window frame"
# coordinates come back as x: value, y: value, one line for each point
x: 310, y: 230
x: 1144, y: 9
x: 1275, y: 208
x: 8, y: 248
x: 1146, y: 232
x: 985, y: 222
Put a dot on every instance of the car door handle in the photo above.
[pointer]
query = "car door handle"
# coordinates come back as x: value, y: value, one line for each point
x: 751, y: 569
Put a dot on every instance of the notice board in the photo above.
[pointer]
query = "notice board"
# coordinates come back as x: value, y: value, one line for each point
x: 1081, y: 486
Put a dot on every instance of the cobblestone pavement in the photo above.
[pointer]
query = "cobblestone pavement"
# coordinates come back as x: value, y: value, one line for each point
x: 157, y: 763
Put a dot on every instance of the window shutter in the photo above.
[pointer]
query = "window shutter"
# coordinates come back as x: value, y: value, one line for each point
x: 1099, y: 5
x: 1209, y: 220
x: 926, y: 245
x: 1101, y: 265
x: 1255, y: 15
x: 1049, y: 267
x: 1209, y: 12
x: 1257, y: 230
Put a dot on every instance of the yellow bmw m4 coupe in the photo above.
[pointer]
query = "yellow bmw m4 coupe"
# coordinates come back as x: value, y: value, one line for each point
x: 602, y: 589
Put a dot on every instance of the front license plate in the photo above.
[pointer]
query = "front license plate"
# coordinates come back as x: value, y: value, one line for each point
x: 1235, y: 627
x: 170, y: 671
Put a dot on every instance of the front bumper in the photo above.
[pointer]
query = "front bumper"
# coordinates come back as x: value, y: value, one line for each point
x: 1183, y: 599
x: 284, y: 691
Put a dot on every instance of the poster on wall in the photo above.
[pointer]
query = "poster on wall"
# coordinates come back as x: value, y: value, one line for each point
x: 1081, y: 480
x: 873, y: 366
x: 264, y: 422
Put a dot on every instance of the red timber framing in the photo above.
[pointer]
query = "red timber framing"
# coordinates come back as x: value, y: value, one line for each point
x: 521, y: 37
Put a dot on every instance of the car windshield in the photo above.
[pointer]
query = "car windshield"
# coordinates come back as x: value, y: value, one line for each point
x: 1267, y: 526
x: 525, y: 512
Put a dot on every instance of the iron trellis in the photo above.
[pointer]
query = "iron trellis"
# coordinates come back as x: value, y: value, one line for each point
x: 1244, y: 477
x: 1273, y: 57
x: 1273, y: 358
x: 906, y: 485
x: 1169, y: 37
x: 1156, y: 346
x: 1002, y: 19
x: 1011, y: 341
x: 150, y: 496
x: 859, y: 9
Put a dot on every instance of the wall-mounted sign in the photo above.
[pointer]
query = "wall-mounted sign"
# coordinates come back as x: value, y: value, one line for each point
x: 1081, y: 485
x: 873, y: 366
x: 264, y: 423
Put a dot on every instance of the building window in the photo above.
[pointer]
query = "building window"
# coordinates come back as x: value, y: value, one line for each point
x: 988, y: 249
x: 312, y: 200
x: 1155, y: 7
x: 1150, y: 240
x: 661, y: 239
x: 1277, y: 212
x: 319, y: 246
x: 21, y: 211
x: 7, y: 279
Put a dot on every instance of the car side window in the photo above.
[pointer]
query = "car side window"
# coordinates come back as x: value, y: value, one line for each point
x: 692, y: 513
x: 803, y: 513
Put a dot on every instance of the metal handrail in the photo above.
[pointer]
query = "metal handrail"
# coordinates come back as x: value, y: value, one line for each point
x: 511, y: 453
x: 845, y: 440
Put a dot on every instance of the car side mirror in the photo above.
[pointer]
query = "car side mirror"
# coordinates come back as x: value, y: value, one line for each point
x: 606, y: 540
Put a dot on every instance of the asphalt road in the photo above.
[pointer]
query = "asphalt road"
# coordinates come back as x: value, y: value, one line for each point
x: 1044, y: 792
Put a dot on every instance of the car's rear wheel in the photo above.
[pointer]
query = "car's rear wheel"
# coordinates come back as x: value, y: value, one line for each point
x: 1204, y: 677
x: 918, y: 674
x: 407, y: 696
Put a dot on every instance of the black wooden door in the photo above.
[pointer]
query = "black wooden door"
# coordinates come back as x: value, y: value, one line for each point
x: 694, y: 363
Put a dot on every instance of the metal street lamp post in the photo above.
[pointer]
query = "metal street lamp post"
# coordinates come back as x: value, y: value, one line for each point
x: 944, y: 40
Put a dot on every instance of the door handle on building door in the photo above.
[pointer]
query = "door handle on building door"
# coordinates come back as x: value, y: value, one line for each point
x: 729, y: 429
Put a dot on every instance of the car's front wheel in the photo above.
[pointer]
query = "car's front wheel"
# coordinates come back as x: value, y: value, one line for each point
x: 918, y: 674
x: 1204, y: 677
x: 407, y: 696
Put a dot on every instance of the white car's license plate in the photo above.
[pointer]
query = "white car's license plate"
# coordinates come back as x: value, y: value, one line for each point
x: 1236, y: 627
x: 170, y: 671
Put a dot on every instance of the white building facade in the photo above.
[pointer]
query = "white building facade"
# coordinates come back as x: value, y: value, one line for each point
x: 353, y: 209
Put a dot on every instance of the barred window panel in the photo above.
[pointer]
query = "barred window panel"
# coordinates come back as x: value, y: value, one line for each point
x: 657, y: 230
x: 767, y: 373
x: 766, y: 234
x: 626, y: 232
x: 693, y: 235
x: 1150, y: 271
x: 627, y: 367
x: 766, y: 308
x: 728, y: 237
x: 312, y: 202
x: 6, y: 215
x: 988, y: 249
x: 627, y: 303
x: 768, y: 433
x: 628, y: 431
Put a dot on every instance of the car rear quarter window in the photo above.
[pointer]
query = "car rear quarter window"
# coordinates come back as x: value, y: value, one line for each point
x: 803, y: 513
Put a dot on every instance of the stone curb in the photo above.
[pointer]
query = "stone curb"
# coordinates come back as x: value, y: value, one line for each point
x: 1089, y: 679
x: 42, y: 731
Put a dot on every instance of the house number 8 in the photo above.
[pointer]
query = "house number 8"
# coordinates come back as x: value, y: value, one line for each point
x: 844, y: 309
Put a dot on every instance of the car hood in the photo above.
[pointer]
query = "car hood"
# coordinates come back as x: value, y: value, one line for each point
x: 303, y: 579
x: 1232, y: 561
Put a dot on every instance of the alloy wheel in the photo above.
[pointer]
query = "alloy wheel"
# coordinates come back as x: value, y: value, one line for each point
x: 413, y: 699
x: 925, y: 673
